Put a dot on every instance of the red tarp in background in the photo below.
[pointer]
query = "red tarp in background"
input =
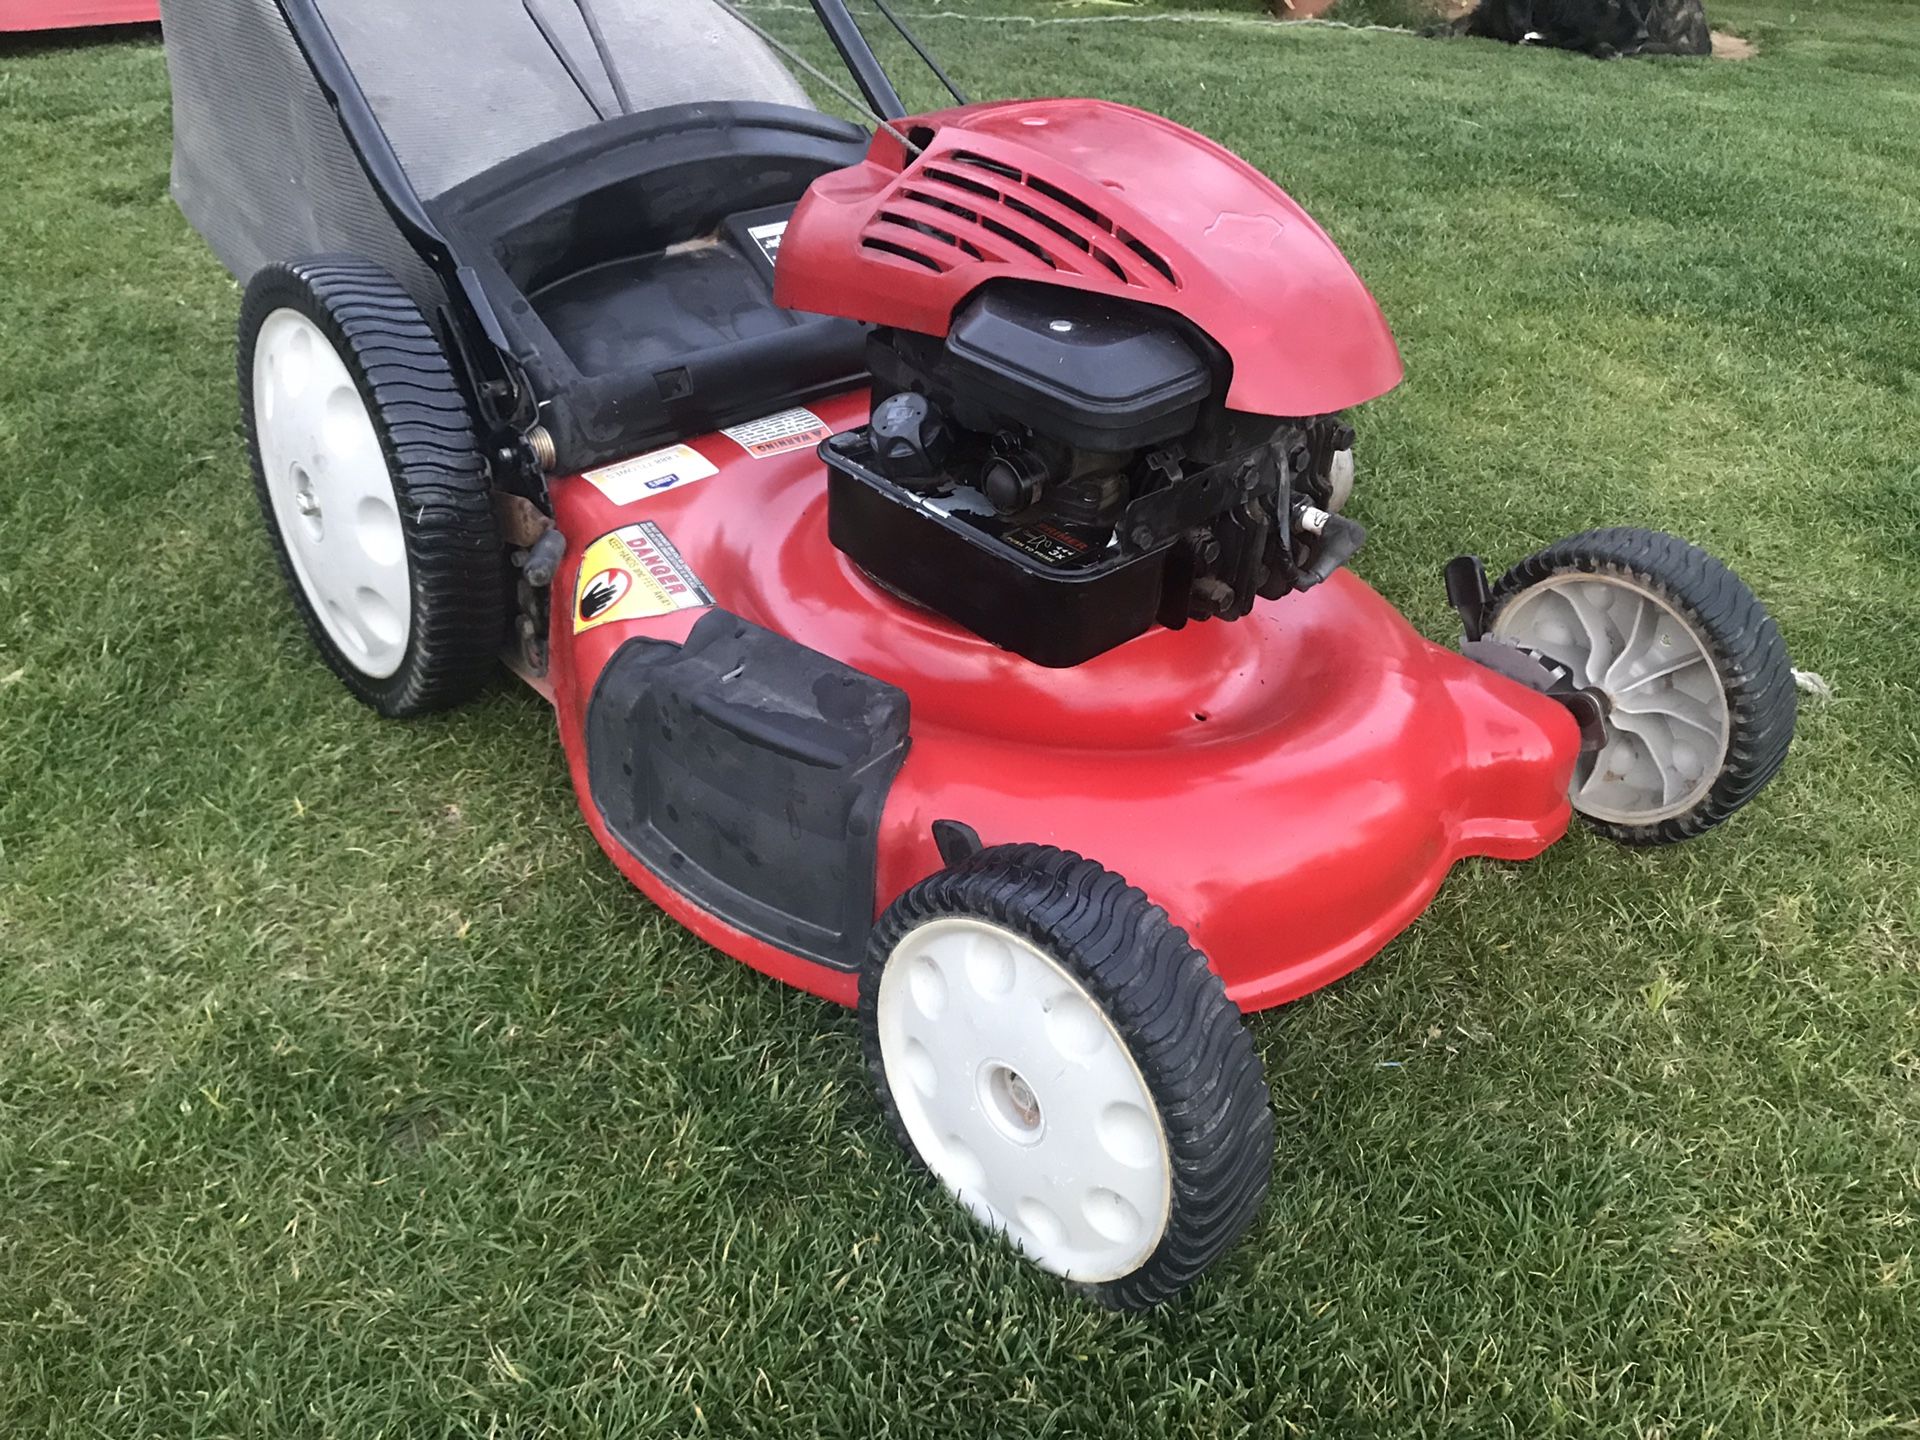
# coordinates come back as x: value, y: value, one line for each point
x: 63, y: 14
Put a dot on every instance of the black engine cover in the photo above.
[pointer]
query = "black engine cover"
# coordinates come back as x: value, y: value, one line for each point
x: 1083, y: 369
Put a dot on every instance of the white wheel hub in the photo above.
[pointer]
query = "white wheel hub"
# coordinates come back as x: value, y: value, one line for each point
x: 1022, y: 1097
x: 1668, y: 722
x: 331, y: 493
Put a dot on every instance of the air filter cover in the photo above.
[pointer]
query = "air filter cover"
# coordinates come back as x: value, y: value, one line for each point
x: 1083, y: 368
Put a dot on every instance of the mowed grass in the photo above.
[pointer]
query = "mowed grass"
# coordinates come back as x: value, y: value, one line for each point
x: 346, y: 1090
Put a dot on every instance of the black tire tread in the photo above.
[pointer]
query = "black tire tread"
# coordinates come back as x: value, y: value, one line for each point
x: 441, y: 484
x: 1743, y: 642
x: 1188, y: 1039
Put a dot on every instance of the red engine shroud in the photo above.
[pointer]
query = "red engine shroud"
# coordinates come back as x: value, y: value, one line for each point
x: 1093, y: 196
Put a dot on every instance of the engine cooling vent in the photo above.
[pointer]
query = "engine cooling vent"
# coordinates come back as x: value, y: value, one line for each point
x: 958, y: 207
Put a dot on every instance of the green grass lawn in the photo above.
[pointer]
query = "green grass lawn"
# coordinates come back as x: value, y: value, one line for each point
x: 346, y: 1090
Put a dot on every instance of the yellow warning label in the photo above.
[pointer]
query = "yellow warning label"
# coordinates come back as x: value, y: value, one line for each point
x: 634, y: 574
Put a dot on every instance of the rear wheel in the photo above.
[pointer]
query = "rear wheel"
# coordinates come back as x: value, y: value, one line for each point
x: 1058, y: 1054
x: 372, y: 484
x: 1690, y: 669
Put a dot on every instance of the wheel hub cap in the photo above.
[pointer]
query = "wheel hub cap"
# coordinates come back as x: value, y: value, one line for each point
x: 1667, y: 719
x: 1021, y: 1096
x: 331, y: 493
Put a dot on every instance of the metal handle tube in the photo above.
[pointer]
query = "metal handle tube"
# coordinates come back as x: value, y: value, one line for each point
x: 859, y: 58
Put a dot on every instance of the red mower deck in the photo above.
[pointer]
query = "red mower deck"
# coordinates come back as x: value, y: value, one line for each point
x: 1293, y: 787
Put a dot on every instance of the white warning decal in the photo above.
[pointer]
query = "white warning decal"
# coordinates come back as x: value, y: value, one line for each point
x: 654, y: 473
x: 780, y: 434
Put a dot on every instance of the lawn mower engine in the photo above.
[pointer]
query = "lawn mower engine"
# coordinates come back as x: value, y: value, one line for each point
x: 1081, y: 427
x: 1060, y: 473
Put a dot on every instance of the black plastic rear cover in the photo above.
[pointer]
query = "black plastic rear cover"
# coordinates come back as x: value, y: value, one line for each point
x: 1086, y: 369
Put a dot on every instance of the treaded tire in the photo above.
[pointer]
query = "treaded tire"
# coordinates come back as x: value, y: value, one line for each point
x: 455, y: 558
x: 1187, y: 1039
x: 1742, y: 642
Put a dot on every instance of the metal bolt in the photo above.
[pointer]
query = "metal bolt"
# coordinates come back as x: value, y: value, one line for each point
x: 1026, y: 1105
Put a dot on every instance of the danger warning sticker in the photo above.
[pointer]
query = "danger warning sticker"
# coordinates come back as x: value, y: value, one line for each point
x: 634, y: 574
x: 654, y: 473
x: 779, y: 434
x: 767, y: 237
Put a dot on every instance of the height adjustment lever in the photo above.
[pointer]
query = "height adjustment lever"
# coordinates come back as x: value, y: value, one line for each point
x: 1469, y: 594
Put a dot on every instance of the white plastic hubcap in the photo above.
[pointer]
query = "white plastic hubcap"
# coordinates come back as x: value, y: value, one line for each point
x: 331, y: 492
x: 1668, y: 721
x: 1021, y: 1096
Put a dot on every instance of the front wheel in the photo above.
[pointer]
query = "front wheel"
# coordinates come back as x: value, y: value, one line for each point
x: 1053, y: 1048
x: 1690, y: 670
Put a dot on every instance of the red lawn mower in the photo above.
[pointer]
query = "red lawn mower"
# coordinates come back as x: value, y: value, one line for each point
x: 931, y: 538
